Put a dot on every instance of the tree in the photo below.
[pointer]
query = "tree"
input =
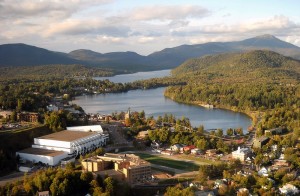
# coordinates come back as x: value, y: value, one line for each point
x: 19, y: 105
x: 109, y: 185
x: 219, y: 132
x: 229, y: 132
x: 178, y: 190
x: 128, y: 122
x: 202, y: 144
x: 200, y: 129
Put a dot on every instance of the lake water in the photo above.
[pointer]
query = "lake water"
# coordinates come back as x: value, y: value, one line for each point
x: 136, y: 76
x: 154, y: 104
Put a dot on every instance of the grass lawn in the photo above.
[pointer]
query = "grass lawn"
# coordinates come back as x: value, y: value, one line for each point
x: 182, y: 165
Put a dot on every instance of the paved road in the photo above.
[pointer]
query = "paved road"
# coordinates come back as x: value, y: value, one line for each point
x: 11, y: 178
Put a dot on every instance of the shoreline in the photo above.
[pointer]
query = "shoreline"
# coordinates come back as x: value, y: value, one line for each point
x: 253, y: 115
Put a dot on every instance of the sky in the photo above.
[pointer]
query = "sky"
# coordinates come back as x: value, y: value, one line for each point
x: 143, y: 26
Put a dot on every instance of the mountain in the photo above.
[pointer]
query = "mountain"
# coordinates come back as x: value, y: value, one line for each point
x: 251, y: 66
x: 177, y: 55
x: 24, y: 55
x: 114, y: 60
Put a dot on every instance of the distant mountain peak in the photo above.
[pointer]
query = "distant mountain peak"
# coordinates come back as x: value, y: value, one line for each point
x: 266, y: 36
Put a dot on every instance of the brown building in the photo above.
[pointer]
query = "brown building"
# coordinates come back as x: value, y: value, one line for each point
x: 259, y: 142
x: 28, y: 117
x: 128, y: 167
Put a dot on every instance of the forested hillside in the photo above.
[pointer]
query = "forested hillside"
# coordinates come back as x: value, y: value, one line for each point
x: 43, y: 72
x: 254, y: 81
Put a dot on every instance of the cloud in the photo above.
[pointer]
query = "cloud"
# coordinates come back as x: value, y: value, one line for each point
x: 13, y: 9
x: 109, y: 39
x: 83, y: 27
x: 274, y: 25
x: 276, y: 22
x: 146, y: 39
x: 170, y: 12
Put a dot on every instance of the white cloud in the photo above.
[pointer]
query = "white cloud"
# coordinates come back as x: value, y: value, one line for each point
x: 109, y: 39
x: 45, y: 8
x: 84, y: 27
x: 171, y: 12
x: 146, y: 39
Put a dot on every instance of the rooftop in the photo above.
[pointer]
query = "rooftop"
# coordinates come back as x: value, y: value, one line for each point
x: 67, y: 136
x: 39, y: 151
x: 86, y: 128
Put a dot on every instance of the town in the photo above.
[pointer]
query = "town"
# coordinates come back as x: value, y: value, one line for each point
x: 146, y: 152
x: 149, y: 98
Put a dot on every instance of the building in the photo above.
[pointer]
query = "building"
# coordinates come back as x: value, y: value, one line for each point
x: 177, y: 147
x: 143, y: 134
x: 188, y: 148
x: 241, y: 153
x: 28, y: 117
x: 289, y: 189
x: 196, y: 151
x: 126, y: 167
x: 275, y: 131
x: 259, y: 142
x: 263, y: 172
x: 211, y: 152
x: 51, y: 149
x: 44, y: 193
x: 5, y: 114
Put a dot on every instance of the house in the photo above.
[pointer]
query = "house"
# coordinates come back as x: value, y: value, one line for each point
x: 155, y: 144
x: 28, y: 117
x: 176, y: 147
x: 44, y: 193
x: 5, y: 114
x: 211, y: 152
x: 241, y: 153
x: 277, y: 163
x: 196, y: 151
x: 289, y: 189
x: 275, y: 131
x: 259, y: 142
x: 188, y: 148
x: 263, y: 172
x: 142, y: 134
x: 243, y: 191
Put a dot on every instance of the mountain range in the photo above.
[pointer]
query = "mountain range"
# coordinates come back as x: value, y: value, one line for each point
x: 26, y: 55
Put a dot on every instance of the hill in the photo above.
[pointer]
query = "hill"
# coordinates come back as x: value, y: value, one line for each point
x: 253, y: 82
x: 127, y: 61
x: 25, y: 55
x: 252, y: 66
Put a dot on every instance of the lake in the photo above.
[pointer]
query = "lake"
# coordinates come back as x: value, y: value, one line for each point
x: 136, y: 76
x: 154, y: 104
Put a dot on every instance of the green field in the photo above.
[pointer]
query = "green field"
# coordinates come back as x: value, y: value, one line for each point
x: 182, y: 165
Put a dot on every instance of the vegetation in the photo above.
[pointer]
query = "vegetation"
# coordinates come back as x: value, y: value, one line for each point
x: 254, y: 81
x: 65, y: 182
x: 42, y: 72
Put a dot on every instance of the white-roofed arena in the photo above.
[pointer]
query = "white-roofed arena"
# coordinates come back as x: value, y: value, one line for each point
x: 69, y: 143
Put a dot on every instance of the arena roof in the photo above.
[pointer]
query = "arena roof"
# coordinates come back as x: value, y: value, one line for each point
x: 86, y: 128
x: 67, y: 136
x: 39, y: 151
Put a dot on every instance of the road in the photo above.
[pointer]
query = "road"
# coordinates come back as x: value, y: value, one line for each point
x: 11, y: 178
